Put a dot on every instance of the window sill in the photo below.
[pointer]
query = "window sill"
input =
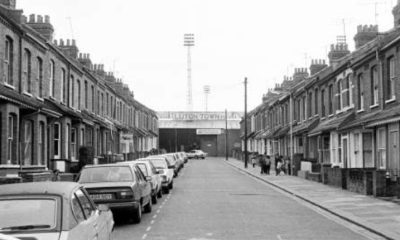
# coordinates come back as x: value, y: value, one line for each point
x: 390, y: 100
x: 27, y: 94
x: 9, y: 86
x: 40, y: 99
x: 374, y: 106
x: 361, y: 111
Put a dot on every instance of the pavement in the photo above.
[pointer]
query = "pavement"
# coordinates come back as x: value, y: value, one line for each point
x: 376, y: 215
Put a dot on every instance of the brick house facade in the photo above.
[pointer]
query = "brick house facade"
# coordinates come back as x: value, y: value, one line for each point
x: 53, y: 101
x: 344, y: 117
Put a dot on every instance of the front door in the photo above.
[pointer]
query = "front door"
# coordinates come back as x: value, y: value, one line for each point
x: 394, y: 150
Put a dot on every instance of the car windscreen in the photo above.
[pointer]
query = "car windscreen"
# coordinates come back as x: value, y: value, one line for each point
x: 22, y: 214
x: 143, y: 168
x: 159, y: 163
x: 106, y: 174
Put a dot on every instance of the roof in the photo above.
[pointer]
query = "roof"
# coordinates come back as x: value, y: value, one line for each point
x: 58, y: 188
x: 18, y: 98
x: 282, y: 132
x: 360, y: 120
x: 331, y: 124
x: 386, y: 116
x: 305, y: 127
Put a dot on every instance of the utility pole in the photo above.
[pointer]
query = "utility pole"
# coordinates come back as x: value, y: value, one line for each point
x: 189, y: 42
x: 245, y: 124
x: 226, y: 135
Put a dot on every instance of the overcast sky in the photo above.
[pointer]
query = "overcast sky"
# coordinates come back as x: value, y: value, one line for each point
x: 142, y: 42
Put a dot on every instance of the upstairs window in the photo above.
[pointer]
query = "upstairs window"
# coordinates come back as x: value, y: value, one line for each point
x: 360, y: 92
x: 390, y: 83
x: 93, y: 98
x: 345, y: 92
x: 8, y: 61
x: 39, y: 76
x: 330, y: 99
x: 27, y: 68
x: 316, y: 102
x: 52, y: 78
x: 309, y: 107
x: 339, y: 95
x: 374, y: 86
x: 86, y: 95
x: 72, y: 91
x: 323, y: 103
x: 79, y: 93
x: 63, y: 92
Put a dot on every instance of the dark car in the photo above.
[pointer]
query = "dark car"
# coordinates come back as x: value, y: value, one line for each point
x: 52, y: 210
x: 120, y: 186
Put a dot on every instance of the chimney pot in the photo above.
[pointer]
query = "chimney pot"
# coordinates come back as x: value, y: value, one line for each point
x: 73, y: 42
x: 62, y: 42
x: 46, y: 18
x: 68, y: 42
x: 32, y: 18
x: 39, y: 19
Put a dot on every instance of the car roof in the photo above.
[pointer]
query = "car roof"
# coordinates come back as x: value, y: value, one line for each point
x: 57, y: 188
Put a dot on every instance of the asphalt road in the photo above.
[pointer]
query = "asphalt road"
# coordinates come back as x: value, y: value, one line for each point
x: 212, y: 200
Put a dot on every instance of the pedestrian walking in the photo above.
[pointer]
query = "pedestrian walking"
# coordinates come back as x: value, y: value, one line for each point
x: 278, y: 165
x: 267, y: 164
x: 253, y: 160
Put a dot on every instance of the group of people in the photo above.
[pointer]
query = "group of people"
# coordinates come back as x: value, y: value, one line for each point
x: 282, y: 166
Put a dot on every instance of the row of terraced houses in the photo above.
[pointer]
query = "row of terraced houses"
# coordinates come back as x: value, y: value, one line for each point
x: 342, y: 116
x: 53, y: 101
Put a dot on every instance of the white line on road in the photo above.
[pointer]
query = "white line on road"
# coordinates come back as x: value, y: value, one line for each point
x: 158, y: 211
x: 155, y: 216
x: 279, y: 237
x: 148, y: 229
x: 144, y: 236
x: 152, y: 222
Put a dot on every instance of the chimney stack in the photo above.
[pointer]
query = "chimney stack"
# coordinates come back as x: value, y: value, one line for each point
x: 42, y: 27
x: 317, y: 65
x: 337, y: 52
x: 365, y: 34
x: 69, y: 49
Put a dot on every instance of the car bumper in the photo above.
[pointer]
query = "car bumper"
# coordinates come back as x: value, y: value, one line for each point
x: 123, y: 205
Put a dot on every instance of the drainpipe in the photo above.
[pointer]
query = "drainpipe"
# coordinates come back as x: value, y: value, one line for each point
x: 291, y: 134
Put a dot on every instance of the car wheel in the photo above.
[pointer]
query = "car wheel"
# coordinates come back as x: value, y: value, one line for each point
x: 154, y: 198
x: 159, y: 194
x: 137, y: 214
x: 166, y: 190
x: 171, y: 185
x: 148, y: 207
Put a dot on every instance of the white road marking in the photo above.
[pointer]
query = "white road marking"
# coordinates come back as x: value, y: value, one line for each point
x: 148, y: 229
x: 144, y: 236
x: 155, y: 216
x: 279, y: 237
x: 152, y: 222
x: 158, y: 211
x: 160, y: 207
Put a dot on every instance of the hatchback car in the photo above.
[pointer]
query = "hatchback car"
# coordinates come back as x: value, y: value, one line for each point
x: 196, y: 154
x: 165, y: 169
x: 52, y: 210
x: 120, y: 186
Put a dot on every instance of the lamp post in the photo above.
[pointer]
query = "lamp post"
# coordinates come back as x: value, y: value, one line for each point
x: 245, y: 124
x: 189, y: 42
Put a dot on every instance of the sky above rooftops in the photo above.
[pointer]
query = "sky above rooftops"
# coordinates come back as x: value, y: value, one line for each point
x: 142, y: 42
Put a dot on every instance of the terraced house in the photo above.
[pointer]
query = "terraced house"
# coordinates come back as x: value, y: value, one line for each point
x: 54, y: 100
x: 343, y: 116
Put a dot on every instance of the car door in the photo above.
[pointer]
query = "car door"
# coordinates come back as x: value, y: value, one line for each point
x: 85, y: 228
x: 92, y: 215
x: 144, y: 185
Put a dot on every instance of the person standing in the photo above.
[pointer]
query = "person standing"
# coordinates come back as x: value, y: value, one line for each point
x: 267, y: 164
x: 278, y: 165
x: 253, y: 160
x: 262, y: 163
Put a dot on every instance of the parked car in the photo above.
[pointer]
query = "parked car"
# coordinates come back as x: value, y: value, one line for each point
x: 165, y: 169
x: 52, y: 210
x: 173, y: 163
x: 120, y: 186
x: 184, y: 156
x: 196, y: 154
x: 149, y: 170
x: 178, y: 160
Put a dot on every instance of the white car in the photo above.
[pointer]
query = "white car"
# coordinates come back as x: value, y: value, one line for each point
x: 196, y: 154
x: 150, y: 170
x: 166, y: 170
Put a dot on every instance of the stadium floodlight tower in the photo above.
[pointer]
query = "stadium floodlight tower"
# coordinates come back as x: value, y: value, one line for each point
x: 189, y: 42
x: 206, y: 90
